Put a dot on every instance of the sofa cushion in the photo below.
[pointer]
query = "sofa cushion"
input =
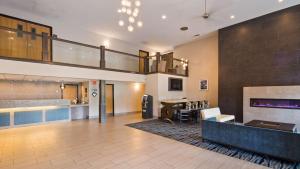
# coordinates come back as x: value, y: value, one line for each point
x: 275, y: 143
x: 209, y: 113
x: 224, y: 118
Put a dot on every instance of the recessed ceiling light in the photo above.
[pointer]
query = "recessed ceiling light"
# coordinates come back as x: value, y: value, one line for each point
x: 280, y: 1
x: 121, y: 23
x: 137, y: 3
x: 129, y: 4
x: 163, y: 17
x: 119, y: 10
x: 106, y: 43
x: 184, y: 28
x: 232, y: 16
x: 135, y: 14
x: 124, y: 2
x: 130, y: 28
x: 129, y: 11
x: 131, y: 19
x: 140, y: 24
x: 136, y: 10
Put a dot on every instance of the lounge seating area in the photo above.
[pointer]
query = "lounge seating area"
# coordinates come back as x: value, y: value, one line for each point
x: 215, y: 114
x: 150, y: 84
x: 270, y: 142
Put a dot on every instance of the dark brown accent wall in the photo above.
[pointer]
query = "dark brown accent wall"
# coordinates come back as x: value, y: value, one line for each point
x: 264, y: 51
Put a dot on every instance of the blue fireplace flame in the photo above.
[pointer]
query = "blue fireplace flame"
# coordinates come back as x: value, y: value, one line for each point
x: 275, y: 103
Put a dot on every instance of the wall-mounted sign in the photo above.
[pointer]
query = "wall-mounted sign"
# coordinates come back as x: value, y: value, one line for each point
x: 94, y: 92
x: 203, y: 84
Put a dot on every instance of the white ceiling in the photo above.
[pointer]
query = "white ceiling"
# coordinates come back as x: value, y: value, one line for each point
x: 101, y: 17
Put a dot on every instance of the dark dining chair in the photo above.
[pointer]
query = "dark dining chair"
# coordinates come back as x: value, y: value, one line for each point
x: 184, y: 115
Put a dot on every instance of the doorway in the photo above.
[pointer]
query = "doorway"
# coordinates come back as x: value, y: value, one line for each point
x: 70, y: 92
x: 143, y: 61
x: 109, y: 97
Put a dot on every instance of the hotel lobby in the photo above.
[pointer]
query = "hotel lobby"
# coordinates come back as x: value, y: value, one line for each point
x: 140, y: 84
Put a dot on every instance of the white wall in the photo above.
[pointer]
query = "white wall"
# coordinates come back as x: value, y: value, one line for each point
x: 157, y: 86
x: 94, y: 101
x: 271, y: 114
x: 128, y: 96
x: 27, y: 68
x: 203, y: 65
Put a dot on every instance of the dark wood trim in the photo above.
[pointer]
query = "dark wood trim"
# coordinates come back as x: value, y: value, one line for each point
x: 123, y: 53
x: 144, y: 59
x: 102, y: 57
x: 113, y: 97
x: 157, y: 60
x: 24, y: 20
x: 45, y: 50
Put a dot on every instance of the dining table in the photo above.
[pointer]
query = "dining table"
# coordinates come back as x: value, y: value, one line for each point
x: 170, y: 106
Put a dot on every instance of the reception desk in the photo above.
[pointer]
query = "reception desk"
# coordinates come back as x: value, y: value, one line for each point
x: 14, y: 113
x: 79, y: 111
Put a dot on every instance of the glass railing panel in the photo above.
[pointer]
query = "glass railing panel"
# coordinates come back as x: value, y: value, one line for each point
x: 179, y: 67
x: 152, y: 65
x: 20, y: 45
x: 64, y: 52
x: 119, y: 61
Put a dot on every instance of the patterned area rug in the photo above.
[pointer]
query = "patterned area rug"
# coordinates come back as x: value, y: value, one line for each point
x: 191, y: 134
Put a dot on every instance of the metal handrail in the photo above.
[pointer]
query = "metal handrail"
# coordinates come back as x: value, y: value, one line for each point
x: 52, y: 38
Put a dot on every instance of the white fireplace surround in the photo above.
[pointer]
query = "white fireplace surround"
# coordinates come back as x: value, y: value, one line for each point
x: 271, y: 114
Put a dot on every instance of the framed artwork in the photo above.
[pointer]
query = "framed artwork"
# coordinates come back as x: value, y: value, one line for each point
x: 203, y: 84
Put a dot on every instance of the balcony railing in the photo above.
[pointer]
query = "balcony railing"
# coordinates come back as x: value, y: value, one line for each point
x: 42, y: 48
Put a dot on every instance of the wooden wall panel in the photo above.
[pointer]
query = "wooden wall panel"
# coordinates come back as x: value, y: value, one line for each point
x: 264, y: 51
x: 20, y: 45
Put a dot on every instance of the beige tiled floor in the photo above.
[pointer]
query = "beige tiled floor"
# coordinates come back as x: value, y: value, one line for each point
x: 90, y: 145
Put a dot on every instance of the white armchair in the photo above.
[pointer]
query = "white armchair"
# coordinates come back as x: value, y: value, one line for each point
x: 216, y: 113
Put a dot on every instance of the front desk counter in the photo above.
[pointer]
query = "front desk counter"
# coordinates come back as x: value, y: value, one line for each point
x: 15, y: 113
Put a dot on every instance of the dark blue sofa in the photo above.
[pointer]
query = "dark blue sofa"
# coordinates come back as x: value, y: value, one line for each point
x: 275, y: 143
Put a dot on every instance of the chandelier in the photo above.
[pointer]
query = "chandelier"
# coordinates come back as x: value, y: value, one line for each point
x: 129, y: 14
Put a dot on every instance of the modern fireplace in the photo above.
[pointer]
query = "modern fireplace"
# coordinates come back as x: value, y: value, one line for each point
x: 275, y: 103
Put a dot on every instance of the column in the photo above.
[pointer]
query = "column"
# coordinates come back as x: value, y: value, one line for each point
x: 102, y: 106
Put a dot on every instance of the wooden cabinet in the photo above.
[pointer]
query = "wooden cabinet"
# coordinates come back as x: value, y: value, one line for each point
x: 21, y: 45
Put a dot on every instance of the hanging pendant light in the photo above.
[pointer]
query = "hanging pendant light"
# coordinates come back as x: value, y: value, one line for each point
x: 129, y: 14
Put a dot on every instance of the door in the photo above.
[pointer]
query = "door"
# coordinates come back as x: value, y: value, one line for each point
x: 143, y: 61
x: 21, y: 45
x: 35, y: 42
x: 109, y: 97
x: 13, y: 44
x: 70, y: 92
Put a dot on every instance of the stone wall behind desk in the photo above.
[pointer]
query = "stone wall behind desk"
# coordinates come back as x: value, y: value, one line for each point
x: 26, y: 90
